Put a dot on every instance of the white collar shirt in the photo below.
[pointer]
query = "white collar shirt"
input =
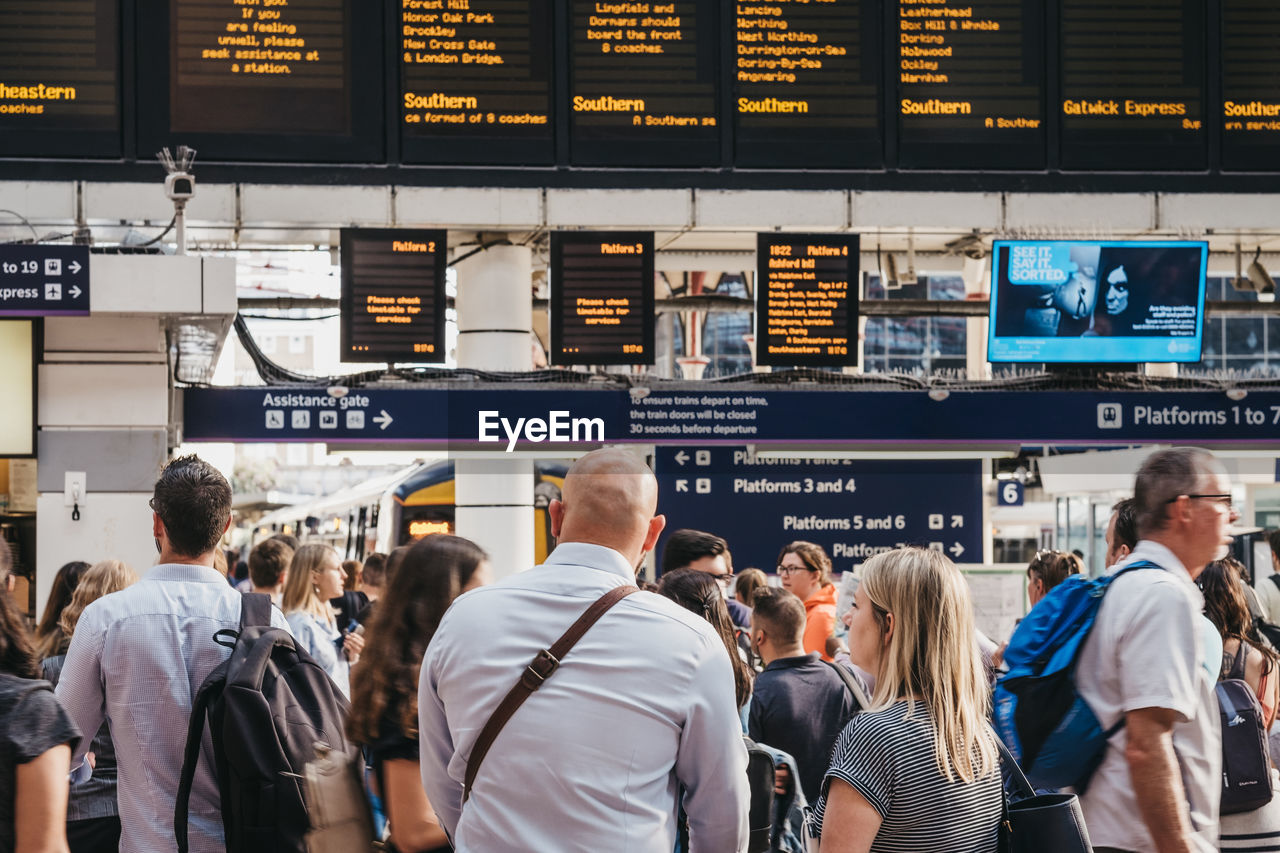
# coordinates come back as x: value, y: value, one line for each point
x: 1151, y: 647
x: 642, y: 706
x: 137, y: 659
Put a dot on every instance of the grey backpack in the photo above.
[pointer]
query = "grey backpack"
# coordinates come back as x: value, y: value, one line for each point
x: 1246, y: 767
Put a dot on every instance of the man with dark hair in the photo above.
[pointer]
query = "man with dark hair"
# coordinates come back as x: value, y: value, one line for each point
x: 1149, y: 666
x: 1267, y: 585
x: 372, y: 583
x: 705, y: 552
x: 269, y: 567
x: 1122, y: 531
x: 799, y: 704
x: 138, y: 656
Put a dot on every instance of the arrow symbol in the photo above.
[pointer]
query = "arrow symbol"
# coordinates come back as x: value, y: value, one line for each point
x: 956, y: 550
x: 383, y: 419
x: 957, y: 521
x: 682, y: 485
x: 74, y: 266
x: 75, y: 292
x: 682, y: 458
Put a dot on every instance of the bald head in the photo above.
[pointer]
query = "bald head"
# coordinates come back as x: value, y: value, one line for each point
x: 609, y: 499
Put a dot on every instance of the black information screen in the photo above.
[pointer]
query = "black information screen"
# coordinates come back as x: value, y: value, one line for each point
x: 59, y: 77
x: 806, y: 300
x: 1250, y: 85
x: 970, y: 83
x: 805, y: 84
x: 602, y: 297
x: 476, y: 81
x: 297, y: 80
x: 1133, y: 85
x: 642, y: 83
x: 393, y: 298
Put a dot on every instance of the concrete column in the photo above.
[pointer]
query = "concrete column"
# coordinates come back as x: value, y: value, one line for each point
x: 494, y: 494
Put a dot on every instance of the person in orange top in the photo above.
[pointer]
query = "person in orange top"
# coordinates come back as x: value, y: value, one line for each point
x: 805, y: 569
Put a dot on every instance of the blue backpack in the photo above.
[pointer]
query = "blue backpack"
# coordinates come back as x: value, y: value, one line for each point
x: 1051, y: 731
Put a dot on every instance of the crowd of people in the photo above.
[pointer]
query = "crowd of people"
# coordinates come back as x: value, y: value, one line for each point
x: 633, y: 734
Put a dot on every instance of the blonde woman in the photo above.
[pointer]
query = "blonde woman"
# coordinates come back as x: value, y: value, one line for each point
x: 93, y: 816
x: 918, y: 771
x: 315, y: 576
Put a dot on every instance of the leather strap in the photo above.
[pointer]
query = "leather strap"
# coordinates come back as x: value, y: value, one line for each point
x: 539, y: 670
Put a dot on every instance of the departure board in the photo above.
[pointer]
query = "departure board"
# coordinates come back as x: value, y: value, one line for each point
x: 59, y: 77
x: 806, y: 78
x: 807, y: 300
x: 296, y: 80
x: 970, y: 84
x: 476, y: 80
x: 1250, y: 85
x: 1133, y: 85
x: 602, y: 297
x: 393, y: 298
x: 643, y: 83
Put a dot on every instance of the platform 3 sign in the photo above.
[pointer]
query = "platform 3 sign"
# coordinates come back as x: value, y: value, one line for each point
x: 852, y: 508
x: 44, y: 281
x: 509, y: 419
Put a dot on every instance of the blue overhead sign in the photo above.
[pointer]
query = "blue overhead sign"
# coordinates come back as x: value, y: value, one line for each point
x: 1010, y: 493
x: 508, y: 419
x: 852, y: 508
x: 44, y: 281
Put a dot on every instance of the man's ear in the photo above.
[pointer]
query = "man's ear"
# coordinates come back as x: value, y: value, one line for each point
x: 555, y: 510
x: 1122, y: 552
x: 157, y: 526
x: 656, y: 524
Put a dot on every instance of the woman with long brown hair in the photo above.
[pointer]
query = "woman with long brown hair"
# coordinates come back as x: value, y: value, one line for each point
x: 699, y: 593
x: 49, y: 636
x: 36, y: 739
x: 384, y: 703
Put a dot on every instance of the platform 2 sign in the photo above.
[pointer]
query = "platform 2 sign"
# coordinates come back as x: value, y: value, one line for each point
x: 852, y: 508
x: 44, y: 281
x: 393, y: 295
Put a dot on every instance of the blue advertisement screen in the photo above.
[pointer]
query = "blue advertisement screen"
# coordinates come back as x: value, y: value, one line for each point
x: 1096, y: 302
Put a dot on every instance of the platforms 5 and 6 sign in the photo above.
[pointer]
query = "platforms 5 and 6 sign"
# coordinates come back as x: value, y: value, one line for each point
x: 44, y: 281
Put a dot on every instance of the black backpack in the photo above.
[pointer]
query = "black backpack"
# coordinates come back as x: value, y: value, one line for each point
x: 1246, y: 769
x: 268, y: 705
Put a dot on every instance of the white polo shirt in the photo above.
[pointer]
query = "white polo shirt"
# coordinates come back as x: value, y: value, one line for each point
x: 1152, y: 648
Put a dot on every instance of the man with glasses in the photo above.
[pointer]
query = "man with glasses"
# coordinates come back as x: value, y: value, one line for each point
x: 706, y: 552
x: 1151, y: 663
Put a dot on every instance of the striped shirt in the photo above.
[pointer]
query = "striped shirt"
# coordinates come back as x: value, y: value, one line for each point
x: 889, y: 760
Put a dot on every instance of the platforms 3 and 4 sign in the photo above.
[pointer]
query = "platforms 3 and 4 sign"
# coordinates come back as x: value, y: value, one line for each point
x: 44, y: 281
x: 853, y: 508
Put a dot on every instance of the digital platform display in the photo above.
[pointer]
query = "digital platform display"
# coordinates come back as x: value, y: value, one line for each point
x: 807, y: 300
x: 970, y: 84
x: 643, y: 83
x: 393, y: 297
x: 806, y: 84
x: 295, y: 80
x: 59, y: 77
x: 602, y: 297
x: 1110, y: 302
x: 476, y: 79
x: 1250, y: 86
x: 1133, y: 85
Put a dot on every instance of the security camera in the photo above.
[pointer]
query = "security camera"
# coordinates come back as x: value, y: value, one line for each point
x: 180, y: 186
x: 1256, y: 277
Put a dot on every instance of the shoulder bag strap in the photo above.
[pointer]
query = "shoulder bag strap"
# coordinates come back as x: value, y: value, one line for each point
x: 1238, y: 662
x: 539, y: 670
x: 190, y: 757
x: 860, y: 697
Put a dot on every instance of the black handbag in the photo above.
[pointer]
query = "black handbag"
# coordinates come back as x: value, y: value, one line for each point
x: 1038, y: 823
